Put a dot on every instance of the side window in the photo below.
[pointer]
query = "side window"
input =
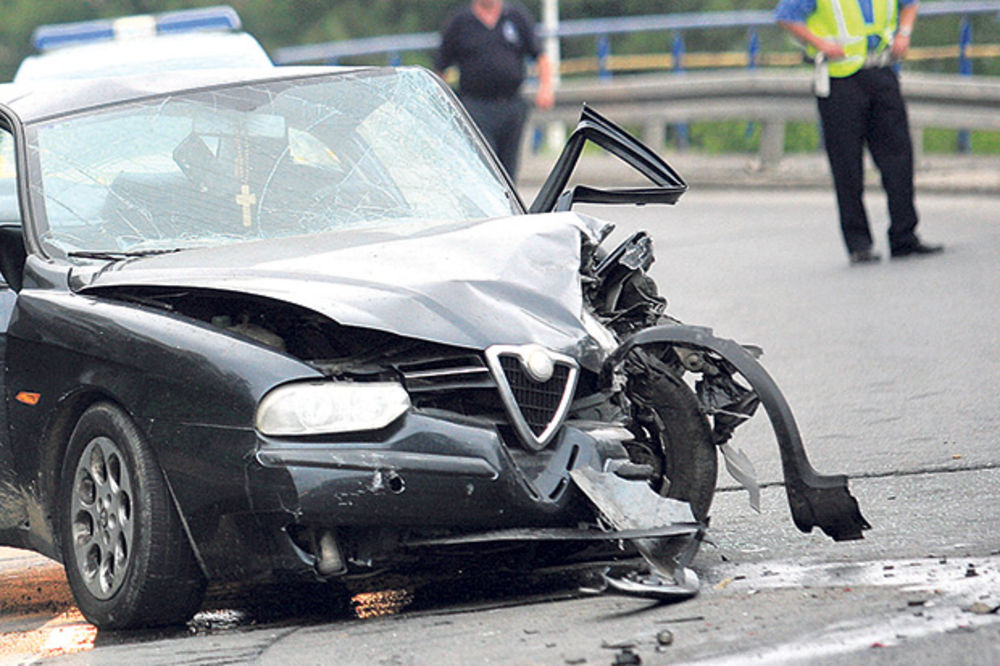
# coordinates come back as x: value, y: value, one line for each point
x: 12, y: 252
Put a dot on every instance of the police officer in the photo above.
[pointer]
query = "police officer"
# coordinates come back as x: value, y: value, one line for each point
x: 488, y: 40
x: 854, y: 44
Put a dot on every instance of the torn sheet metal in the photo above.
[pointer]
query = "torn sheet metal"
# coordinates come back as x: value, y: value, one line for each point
x: 652, y: 586
x: 364, y: 195
x: 630, y: 504
x: 634, y: 505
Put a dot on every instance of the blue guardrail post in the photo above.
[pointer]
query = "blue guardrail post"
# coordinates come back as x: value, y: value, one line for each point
x: 683, y: 137
x: 753, y: 57
x: 603, y: 53
x: 964, y: 140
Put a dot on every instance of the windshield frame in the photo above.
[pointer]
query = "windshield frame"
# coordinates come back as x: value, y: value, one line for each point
x: 13, y: 128
x: 30, y: 169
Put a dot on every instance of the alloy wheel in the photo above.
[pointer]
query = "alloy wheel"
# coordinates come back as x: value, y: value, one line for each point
x: 103, y: 529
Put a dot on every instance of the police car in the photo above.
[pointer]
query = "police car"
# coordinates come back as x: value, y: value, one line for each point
x: 206, y: 38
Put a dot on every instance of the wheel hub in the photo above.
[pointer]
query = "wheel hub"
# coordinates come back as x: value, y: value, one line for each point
x: 103, y: 526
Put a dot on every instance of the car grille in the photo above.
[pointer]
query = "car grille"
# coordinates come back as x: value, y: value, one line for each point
x: 449, y: 374
x: 536, y: 408
x: 538, y: 402
x: 464, y: 384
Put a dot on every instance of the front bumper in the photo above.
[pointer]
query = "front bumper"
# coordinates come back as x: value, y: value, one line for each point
x: 428, y: 476
x: 431, y: 473
x: 426, y: 471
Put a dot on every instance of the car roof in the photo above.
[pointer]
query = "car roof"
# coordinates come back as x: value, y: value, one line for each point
x: 48, y: 98
x: 199, y: 50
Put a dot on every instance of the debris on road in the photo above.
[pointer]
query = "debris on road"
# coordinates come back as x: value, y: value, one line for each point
x: 689, y: 618
x: 627, y: 657
x: 722, y: 584
x: 979, y: 608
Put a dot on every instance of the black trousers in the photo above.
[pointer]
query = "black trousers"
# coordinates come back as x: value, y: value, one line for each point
x: 867, y: 109
x: 502, y: 122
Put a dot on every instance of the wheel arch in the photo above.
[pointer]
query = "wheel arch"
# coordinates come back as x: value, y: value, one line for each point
x: 55, y: 442
x: 140, y: 572
x: 815, y: 500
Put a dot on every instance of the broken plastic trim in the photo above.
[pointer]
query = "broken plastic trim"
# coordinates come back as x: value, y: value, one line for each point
x: 815, y: 500
x: 669, y: 186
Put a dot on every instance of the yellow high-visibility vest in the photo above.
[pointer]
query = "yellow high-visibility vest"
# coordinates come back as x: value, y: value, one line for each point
x: 842, y: 21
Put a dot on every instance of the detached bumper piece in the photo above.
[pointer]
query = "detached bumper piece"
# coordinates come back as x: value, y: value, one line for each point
x: 632, y: 505
x: 653, y: 586
x: 815, y: 500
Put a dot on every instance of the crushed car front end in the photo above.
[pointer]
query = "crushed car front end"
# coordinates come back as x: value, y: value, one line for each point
x: 384, y: 440
x: 314, y: 300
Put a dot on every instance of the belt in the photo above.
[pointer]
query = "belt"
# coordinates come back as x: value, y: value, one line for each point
x: 881, y: 59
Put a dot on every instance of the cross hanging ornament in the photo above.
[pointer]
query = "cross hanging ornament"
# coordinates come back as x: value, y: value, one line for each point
x: 246, y: 200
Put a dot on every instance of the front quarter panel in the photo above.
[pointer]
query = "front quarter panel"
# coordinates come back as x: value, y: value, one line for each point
x: 192, y: 388
x: 159, y: 365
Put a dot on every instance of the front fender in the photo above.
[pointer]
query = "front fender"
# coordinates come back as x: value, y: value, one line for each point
x: 816, y: 500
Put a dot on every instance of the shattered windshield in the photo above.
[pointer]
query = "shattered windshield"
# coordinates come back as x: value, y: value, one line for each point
x: 379, y: 148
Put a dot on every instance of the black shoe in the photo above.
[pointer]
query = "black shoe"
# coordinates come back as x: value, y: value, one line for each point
x: 915, y: 249
x: 865, y: 257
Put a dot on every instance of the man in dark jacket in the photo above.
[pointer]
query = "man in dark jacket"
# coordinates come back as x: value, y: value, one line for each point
x: 488, y: 41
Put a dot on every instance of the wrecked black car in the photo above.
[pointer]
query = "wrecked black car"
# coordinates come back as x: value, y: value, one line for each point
x: 297, y: 323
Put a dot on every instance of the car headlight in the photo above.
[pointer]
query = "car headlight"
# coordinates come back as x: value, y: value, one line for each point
x: 317, y: 408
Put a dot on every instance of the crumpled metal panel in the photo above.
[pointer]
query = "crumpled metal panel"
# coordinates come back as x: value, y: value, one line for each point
x: 511, y: 280
x: 631, y: 505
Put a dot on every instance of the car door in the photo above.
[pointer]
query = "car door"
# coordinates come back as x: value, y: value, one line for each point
x: 12, y: 506
x: 667, y: 186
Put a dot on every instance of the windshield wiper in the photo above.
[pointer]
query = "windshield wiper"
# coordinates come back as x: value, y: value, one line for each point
x: 118, y: 256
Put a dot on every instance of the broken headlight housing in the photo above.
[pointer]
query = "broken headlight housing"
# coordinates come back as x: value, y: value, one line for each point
x: 322, y: 408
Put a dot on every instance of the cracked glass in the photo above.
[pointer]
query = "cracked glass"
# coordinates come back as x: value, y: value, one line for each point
x: 385, y: 149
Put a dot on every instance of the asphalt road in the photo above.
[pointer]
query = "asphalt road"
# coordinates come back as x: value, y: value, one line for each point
x: 893, y: 373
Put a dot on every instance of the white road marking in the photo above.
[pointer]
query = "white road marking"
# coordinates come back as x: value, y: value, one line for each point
x: 951, y: 587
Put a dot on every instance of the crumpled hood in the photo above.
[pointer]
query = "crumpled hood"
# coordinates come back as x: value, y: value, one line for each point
x: 511, y: 280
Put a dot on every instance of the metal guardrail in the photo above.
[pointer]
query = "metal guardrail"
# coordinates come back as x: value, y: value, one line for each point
x: 771, y: 97
x: 392, y: 45
x: 603, y: 62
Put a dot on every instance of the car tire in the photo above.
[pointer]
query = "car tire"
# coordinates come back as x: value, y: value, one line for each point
x: 689, y: 457
x: 126, y: 554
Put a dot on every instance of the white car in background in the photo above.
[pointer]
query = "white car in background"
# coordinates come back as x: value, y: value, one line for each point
x: 191, y: 39
x: 206, y: 38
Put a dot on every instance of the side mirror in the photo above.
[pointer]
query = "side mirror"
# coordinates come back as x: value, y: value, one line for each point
x: 667, y: 187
